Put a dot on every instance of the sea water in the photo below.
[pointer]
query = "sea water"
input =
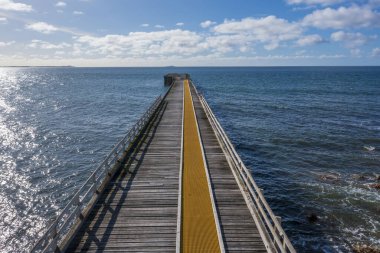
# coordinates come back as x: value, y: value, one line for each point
x: 310, y: 135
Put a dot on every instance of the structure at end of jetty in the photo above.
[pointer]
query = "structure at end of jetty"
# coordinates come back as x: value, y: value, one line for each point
x: 171, y: 77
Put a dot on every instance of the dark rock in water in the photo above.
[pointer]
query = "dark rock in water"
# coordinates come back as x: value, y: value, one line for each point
x: 312, y: 218
x: 378, y: 177
x: 359, y: 177
x: 328, y: 177
x: 365, y: 249
x: 375, y: 186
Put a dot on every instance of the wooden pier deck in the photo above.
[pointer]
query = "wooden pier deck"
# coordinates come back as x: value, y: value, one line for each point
x: 173, y: 184
x: 138, y: 211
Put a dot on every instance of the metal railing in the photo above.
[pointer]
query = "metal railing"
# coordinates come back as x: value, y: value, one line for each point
x: 81, y: 199
x: 269, y: 222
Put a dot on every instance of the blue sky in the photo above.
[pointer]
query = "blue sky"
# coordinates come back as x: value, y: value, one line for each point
x: 189, y: 33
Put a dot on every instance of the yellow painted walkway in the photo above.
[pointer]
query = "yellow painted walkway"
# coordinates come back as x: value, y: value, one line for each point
x: 199, y: 232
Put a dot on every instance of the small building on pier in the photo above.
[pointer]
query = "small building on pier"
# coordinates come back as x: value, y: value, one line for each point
x: 171, y: 77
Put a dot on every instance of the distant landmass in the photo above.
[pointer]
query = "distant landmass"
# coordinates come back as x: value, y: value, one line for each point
x: 68, y: 66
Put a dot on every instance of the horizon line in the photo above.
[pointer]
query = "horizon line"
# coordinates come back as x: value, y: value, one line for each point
x: 200, y: 66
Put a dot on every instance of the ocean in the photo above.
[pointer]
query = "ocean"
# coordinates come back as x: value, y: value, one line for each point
x: 310, y: 135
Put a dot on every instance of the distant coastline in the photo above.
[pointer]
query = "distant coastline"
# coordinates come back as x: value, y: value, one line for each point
x: 68, y: 66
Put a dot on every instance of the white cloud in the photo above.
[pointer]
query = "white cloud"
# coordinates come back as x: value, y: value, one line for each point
x: 376, y: 52
x: 177, y: 60
x: 227, y: 43
x: 143, y: 44
x: 59, y: 52
x: 269, y: 30
x: 47, y: 45
x: 3, y: 20
x: 41, y: 27
x: 5, y: 44
x: 230, y: 37
x: 10, y: 5
x: 351, y: 40
x: 309, y: 40
x: 314, y: 2
x: 334, y: 56
x: 78, y: 12
x: 267, y: 26
x: 207, y: 23
x: 356, y: 52
x: 343, y: 18
x: 159, y: 26
x: 60, y: 4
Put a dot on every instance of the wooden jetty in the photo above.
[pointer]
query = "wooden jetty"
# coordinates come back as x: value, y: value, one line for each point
x: 174, y: 183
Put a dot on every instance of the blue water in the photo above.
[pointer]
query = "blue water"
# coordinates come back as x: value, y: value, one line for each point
x: 310, y: 135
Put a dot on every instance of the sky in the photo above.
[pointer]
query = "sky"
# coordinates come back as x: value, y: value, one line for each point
x: 189, y: 32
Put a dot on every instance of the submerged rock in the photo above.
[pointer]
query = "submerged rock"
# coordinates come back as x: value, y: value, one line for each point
x: 328, y: 177
x: 359, y: 177
x: 312, y: 218
x: 365, y: 249
x: 375, y: 186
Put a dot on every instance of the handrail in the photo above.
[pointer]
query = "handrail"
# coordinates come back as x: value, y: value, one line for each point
x: 72, y: 211
x: 272, y: 225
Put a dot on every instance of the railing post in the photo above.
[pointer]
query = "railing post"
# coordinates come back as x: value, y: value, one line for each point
x: 54, y: 235
x: 94, y: 183
x: 78, y: 203
x: 278, y: 218
x: 106, y: 161
x: 107, y: 167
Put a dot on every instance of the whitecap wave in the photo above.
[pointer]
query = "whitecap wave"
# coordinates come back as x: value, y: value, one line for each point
x: 369, y: 148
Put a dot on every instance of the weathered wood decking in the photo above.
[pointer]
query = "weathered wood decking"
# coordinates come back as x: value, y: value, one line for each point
x: 138, y: 212
x: 137, y: 204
